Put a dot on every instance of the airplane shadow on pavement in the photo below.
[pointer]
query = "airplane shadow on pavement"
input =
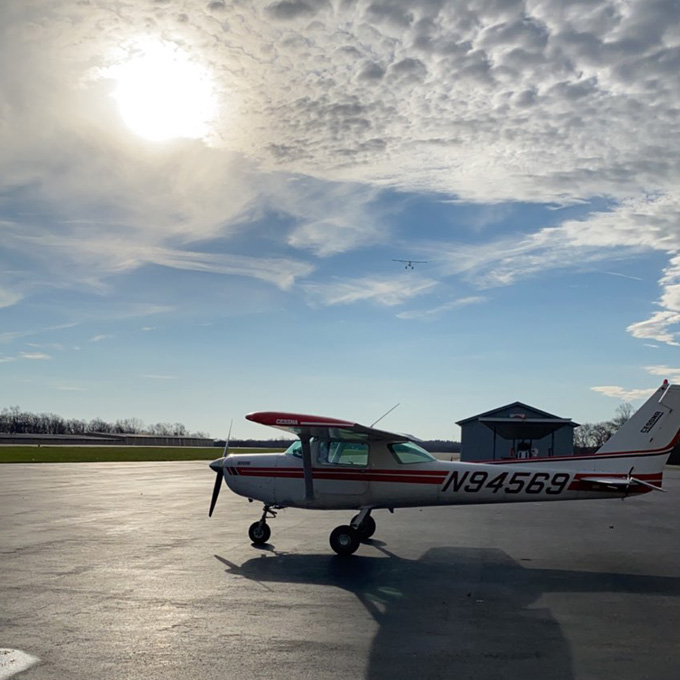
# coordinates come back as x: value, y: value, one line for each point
x: 455, y: 612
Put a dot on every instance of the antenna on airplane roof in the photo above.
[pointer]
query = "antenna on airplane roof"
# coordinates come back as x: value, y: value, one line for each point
x: 384, y: 414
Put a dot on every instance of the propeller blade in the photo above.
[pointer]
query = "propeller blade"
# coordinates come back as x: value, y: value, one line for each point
x: 225, y: 453
x: 216, y: 491
x: 220, y: 467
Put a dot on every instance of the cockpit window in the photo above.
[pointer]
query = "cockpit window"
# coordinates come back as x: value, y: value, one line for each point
x: 295, y: 449
x: 408, y: 453
x: 336, y: 452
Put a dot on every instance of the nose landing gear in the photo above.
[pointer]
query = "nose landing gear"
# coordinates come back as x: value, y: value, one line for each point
x: 259, y: 532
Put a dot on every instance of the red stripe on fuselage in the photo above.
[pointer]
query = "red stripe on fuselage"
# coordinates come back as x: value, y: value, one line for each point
x: 342, y: 474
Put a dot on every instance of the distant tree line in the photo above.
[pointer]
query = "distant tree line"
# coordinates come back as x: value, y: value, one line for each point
x: 591, y: 436
x: 438, y: 445
x: 15, y: 421
x: 256, y: 443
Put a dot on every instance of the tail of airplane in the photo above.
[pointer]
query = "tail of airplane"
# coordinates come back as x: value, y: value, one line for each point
x: 645, y: 442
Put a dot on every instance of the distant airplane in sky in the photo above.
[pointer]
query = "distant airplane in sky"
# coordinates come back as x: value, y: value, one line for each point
x: 409, y: 263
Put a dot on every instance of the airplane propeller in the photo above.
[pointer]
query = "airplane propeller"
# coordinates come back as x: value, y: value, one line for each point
x: 219, y: 467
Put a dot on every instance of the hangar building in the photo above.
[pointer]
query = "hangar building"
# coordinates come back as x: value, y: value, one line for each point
x: 515, y: 431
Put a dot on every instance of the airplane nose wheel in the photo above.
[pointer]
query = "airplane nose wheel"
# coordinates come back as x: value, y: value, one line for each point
x: 345, y: 539
x: 259, y: 532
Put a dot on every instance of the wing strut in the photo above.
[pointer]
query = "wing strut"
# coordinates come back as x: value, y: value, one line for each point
x: 307, y: 466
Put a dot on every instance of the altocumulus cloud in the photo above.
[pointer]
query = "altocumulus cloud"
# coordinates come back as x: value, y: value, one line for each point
x: 486, y: 101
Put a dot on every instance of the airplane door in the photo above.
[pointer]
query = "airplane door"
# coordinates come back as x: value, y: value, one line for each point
x: 341, y: 468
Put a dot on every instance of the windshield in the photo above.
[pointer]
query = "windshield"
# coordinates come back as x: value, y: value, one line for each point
x: 407, y: 453
x: 295, y: 449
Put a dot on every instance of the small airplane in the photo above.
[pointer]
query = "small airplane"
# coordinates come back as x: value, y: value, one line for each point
x: 409, y: 263
x: 341, y: 465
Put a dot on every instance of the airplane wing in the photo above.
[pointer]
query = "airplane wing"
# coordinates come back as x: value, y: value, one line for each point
x: 324, y: 428
x: 306, y: 427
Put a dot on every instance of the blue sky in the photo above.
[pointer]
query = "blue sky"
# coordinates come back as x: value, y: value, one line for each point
x: 200, y: 205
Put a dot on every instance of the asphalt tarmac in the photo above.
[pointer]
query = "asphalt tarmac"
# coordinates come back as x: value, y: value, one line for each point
x: 114, y: 571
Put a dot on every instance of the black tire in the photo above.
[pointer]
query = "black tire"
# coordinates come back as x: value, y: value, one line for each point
x: 344, y: 540
x: 259, y: 532
x: 367, y: 528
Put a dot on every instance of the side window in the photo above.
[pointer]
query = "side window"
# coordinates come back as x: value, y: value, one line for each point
x: 343, y: 453
x: 408, y: 453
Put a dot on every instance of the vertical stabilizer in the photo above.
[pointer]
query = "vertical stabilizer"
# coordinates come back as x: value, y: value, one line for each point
x: 653, y: 428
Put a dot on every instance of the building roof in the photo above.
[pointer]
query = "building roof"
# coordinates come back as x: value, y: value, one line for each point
x: 486, y: 414
x: 521, y: 425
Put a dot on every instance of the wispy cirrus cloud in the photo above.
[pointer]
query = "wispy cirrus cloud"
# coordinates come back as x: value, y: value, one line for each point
x: 35, y: 356
x: 101, y: 337
x: 152, y: 376
x: 436, y: 312
x: 387, y: 291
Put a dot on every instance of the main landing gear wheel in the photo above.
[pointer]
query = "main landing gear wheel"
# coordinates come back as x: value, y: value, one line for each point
x: 367, y: 528
x: 259, y: 532
x: 345, y: 540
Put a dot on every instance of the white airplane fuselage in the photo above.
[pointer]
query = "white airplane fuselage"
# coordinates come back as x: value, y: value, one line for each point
x: 278, y: 479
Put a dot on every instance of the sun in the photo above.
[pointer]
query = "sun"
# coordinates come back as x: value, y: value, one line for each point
x: 162, y: 93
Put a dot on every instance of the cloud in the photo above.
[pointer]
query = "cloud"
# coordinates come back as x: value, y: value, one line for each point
x: 34, y: 356
x: 160, y: 377
x: 11, y: 336
x: 623, y: 276
x: 488, y: 85
x: 5, y: 360
x: 71, y: 388
x: 9, y: 298
x: 435, y: 312
x: 281, y: 272
x: 8, y: 337
x: 387, y: 291
x: 487, y: 102
x: 666, y: 372
x: 99, y: 338
x: 656, y: 328
x: 621, y: 393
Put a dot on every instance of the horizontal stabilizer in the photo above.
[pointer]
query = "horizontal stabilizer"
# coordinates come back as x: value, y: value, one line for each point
x: 622, y: 483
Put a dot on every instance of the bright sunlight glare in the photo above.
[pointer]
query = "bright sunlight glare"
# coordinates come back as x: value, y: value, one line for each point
x: 162, y: 94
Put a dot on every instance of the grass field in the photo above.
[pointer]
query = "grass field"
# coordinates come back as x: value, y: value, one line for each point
x: 101, y: 454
